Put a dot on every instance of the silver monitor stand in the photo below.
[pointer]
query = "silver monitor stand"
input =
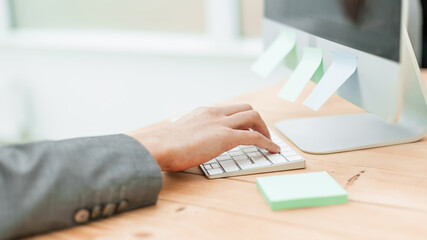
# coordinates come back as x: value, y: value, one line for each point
x: 331, y: 134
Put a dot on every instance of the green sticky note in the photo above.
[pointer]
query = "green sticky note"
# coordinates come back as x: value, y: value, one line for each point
x: 310, y: 67
x: 292, y: 58
x: 344, y: 65
x: 301, y: 190
x: 275, y: 53
x: 318, y: 74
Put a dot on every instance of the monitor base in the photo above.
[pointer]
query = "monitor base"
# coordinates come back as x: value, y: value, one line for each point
x: 330, y: 134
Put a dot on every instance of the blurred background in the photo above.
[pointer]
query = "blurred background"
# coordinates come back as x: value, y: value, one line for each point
x: 72, y: 68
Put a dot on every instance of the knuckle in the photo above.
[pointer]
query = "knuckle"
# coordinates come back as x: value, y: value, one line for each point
x: 212, y: 110
x: 255, y: 114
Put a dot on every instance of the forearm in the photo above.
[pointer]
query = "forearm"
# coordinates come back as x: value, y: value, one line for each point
x: 44, y: 184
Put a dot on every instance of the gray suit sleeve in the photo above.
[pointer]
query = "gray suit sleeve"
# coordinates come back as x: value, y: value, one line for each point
x: 57, y: 184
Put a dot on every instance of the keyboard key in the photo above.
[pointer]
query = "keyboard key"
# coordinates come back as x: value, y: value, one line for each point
x: 251, y: 149
x: 289, y: 153
x: 264, y: 151
x: 211, y: 161
x: 295, y: 158
x: 277, y: 158
x: 257, y: 165
x: 254, y: 154
x: 236, y: 153
x: 250, y: 166
x: 215, y: 165
x: 245, y: 146
x: 223, y: 157
x: 229, y: 166
x: 234, y: 149
x: 245, y: 164
x: 207, y: 166
x: 259, y: 158
x: 242, y: 157
x: 228, y: 162
x: 215, y: 171
x: 261, y: 163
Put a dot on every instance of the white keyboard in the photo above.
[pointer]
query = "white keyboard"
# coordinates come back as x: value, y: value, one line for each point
x: 243, y: 160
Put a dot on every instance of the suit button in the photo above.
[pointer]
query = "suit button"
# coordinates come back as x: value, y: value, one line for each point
x: 109, y: 209
x: 123, y: 204
x: 96, y: 212
x: 81, y: 216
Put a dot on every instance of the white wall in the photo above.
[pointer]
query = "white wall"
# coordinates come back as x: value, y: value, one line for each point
x: 58, y: 79
x: 91, y: 93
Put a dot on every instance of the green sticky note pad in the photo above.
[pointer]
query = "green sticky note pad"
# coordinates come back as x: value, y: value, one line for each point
x: 301, y: 190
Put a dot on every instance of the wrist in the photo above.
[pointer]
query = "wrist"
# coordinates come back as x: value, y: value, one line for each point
x: 154, y: 146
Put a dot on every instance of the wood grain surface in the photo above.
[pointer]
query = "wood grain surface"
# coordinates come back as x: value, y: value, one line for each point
x: 387, y: 190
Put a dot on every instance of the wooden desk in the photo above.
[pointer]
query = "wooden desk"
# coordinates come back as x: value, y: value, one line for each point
x: 387, y: 190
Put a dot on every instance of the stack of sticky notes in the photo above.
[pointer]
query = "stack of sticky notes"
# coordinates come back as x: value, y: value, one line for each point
x: 301, y: 190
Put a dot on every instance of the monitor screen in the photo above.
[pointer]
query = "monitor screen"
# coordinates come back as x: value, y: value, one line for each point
x: 372, y: 26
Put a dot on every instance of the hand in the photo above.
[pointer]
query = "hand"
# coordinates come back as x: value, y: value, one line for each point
x: 204, y: 134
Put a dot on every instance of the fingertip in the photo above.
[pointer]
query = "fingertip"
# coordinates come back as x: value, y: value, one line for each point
x: 275, y: 148
x: 257, y: 139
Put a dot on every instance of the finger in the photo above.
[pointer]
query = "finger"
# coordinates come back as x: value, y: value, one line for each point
x: 243, y: 137
x: 248, y: 119
x: 235, y: 108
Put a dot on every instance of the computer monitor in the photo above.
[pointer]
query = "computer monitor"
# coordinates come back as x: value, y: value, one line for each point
x: 387, y: 82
